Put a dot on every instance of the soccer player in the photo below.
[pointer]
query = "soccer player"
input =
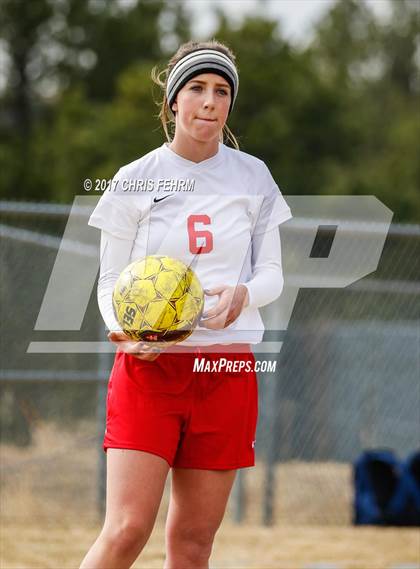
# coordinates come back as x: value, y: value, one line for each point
x: 217, y: 209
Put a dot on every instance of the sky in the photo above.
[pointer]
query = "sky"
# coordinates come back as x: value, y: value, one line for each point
x: 296, y: 17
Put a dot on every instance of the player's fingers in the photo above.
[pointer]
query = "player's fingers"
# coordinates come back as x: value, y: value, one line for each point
x: 143, y: 347
x: 216, y: 323
x: 130, y: 346
x: 221, y: 306
x: 215, y: 311
x: 150, y: 347
x: 117, y: 336
x: 230, y: 319
x: 233, y: 312
x: 216, y: 290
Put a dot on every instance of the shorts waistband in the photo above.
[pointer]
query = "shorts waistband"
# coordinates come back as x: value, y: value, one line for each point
x: 211, y: 348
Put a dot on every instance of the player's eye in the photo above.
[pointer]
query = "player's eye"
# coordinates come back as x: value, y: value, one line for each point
x: 195, y: 87
x: 223, y: 91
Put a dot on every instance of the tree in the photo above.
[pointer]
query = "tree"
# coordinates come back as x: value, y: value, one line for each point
x: 374, y: 72
x: 63, y: 54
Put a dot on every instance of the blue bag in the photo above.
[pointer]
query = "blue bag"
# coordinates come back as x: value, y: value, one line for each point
x: 409, y: 492
x: 376, y: 481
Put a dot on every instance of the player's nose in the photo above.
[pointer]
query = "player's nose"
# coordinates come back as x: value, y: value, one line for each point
x: 209, y: 99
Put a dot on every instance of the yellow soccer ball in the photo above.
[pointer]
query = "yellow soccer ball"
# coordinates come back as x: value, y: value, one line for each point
x: 158, y: 299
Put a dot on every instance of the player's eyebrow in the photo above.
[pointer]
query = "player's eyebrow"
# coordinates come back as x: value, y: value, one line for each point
x: 205, y: 83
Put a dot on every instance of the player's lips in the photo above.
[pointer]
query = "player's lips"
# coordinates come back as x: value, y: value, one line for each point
x: 206, y: 120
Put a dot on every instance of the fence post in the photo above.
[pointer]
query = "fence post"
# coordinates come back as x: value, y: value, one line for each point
x: 239, y: 497
x: 104, y: 366
x: 271, y: 381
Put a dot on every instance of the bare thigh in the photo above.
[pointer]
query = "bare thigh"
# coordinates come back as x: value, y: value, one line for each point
x: 135, y: 483
x: 134, y: 488
x: 197, y: 506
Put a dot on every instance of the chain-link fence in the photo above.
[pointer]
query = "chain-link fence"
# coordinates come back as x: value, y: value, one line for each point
x: 346, y: 380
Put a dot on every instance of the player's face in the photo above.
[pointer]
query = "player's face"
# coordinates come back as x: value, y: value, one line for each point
x: 202, y: 106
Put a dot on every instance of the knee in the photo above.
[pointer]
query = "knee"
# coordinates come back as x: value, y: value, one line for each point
x: 193, y: 543
x: 126, y: 537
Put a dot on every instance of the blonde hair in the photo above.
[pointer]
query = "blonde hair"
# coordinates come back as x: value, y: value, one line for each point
x: 166, y: 115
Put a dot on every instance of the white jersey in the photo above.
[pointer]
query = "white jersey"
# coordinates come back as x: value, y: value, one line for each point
x: 204, y: 214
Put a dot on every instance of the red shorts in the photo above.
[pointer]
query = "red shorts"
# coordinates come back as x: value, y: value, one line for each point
x: 193, y: 418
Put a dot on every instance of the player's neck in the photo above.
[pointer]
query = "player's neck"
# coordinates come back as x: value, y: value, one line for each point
x: 196, y: 151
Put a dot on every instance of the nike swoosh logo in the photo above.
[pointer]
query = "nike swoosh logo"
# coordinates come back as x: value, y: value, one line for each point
x: 156, y: 200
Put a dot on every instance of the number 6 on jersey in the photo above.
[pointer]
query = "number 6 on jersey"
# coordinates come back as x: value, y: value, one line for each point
x: 200, y: 241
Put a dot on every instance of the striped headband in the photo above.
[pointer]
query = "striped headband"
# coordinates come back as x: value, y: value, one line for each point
x: 202, y: 61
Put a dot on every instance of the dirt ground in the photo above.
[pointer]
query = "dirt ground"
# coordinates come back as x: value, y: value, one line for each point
x: 49, y: 518
x: 240, y: 547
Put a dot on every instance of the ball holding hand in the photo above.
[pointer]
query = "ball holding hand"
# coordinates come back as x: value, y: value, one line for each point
x: 139, y: 350
x: 232, y: 300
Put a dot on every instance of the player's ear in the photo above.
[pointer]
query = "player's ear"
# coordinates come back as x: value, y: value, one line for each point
x: 174, y: 106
